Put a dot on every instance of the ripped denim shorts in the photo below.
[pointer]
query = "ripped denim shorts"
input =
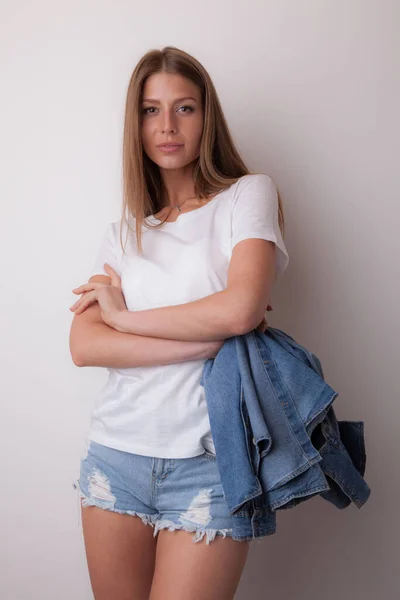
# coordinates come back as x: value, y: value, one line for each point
x: 173, y: 493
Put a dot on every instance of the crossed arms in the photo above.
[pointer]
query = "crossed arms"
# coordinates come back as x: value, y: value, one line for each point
x: 191, y: 331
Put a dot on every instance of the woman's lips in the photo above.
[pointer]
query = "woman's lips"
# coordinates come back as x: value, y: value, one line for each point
x: 170, y: 148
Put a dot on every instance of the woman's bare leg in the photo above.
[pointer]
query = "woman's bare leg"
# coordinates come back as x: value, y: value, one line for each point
x: 185, y: 569
x: 120, y: 552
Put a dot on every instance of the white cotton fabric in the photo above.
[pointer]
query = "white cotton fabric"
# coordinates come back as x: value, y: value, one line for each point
x: 161, y: 410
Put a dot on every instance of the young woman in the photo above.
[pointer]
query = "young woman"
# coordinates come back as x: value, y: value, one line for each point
x: 203, y: 247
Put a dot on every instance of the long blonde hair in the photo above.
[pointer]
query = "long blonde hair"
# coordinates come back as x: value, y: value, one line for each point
x: 219, y: 164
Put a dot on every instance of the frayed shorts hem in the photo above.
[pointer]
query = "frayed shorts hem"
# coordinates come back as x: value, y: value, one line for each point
x: 159, y: 523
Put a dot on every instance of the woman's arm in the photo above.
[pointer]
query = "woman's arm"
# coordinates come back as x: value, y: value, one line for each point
x: 235, y: 310
x: 211, y: 318
x: 95, y: 344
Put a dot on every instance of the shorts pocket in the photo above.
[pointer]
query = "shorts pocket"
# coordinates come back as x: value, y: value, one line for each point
x: 208, y: 454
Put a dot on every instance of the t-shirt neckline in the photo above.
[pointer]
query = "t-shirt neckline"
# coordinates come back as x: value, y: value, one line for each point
x: 190, y: 213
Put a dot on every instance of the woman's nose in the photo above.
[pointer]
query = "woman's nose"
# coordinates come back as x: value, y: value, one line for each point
x: 168, y: 122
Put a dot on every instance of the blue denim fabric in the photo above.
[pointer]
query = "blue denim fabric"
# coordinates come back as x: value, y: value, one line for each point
x: 173, y: 493
x: 276, y: 436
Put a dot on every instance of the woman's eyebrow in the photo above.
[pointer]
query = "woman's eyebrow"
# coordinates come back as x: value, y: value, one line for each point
x: 155, y: 101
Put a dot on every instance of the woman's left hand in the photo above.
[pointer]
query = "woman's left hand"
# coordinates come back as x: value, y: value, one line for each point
x: 264, y: 323
x: 110, y: 297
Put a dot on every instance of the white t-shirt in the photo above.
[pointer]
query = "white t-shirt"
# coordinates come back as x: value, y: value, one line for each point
x: 161, y: 410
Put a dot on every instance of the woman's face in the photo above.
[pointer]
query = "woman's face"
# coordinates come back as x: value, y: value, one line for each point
x: 171, y: 111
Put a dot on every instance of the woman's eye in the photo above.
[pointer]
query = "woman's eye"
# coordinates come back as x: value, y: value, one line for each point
x: 191, y: 109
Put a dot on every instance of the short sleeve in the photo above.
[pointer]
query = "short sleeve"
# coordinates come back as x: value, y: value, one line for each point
x: 255, y: 215
x: 108, y: 252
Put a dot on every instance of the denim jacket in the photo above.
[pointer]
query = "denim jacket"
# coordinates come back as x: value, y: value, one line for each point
x: 276, y: 436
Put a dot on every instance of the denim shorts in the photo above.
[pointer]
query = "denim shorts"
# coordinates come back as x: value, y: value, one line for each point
x: 173, y: 493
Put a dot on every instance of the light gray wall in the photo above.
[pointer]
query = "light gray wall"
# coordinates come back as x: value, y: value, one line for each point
x: 311, y: 93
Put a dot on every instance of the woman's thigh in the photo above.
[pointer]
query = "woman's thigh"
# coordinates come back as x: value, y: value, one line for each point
x: 127, y: 499
x: 117, y: 522
x: 197, y: 571
x: 120, y: 552
x: 196, y: 556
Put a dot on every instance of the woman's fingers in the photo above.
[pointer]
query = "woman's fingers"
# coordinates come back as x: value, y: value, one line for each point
x: 87, y: 287
x: 263, y: 325
x: 115, y: 278
x: 88, y: 291
x: 81, y: 304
